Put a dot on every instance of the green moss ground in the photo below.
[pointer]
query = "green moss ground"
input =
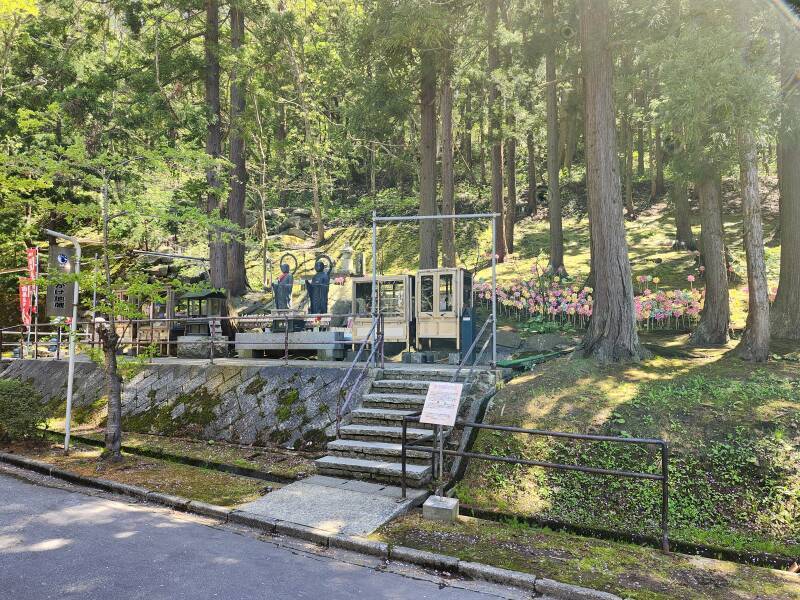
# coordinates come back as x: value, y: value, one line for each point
x: 733, y: 428
x: 269, y: 459
x: 630, y: 571
x: 157, y: 475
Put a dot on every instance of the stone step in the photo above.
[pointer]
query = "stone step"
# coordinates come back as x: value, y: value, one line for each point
x: 381, y: 433
x: 396, y: 401
x: 421, y: 373
x: 384, y: 416
x: 386, y: 413
x: 403, y: 386
x: 366, y: 467
x: 376, y: 450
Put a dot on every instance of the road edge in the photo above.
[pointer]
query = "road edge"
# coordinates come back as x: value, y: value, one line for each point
x: 422, y: 558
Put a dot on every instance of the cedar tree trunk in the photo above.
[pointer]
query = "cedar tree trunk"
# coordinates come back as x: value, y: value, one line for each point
x: 754, y: 344
x: 553, y: 193
x: 612, y: 335
x: 715, y: 318
x: 113, y: 441
x: 216, y: 246
x: 428, y: 246
x: 684, y: 238
x: 448, y: 181
x: 785, y: 314
x: 495, y: 134
x: 659, y: 149
x: 531, y: 144
x: 237, y: 275
x: 511, y: 183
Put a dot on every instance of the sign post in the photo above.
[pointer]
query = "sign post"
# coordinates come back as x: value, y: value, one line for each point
x: 60, y: 305
x: 441, y: 409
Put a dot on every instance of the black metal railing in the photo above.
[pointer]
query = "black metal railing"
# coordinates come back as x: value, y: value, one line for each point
x: 376, y: 338
x: 663, y: 477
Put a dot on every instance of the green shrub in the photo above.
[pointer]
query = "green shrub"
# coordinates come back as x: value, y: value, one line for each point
x: 21, y: 410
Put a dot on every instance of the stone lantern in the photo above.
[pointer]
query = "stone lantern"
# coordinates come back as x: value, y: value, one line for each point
x: 345, y: 263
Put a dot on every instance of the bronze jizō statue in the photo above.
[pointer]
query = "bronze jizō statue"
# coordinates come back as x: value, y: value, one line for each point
x: 283, y: 289
x: 318, y: 289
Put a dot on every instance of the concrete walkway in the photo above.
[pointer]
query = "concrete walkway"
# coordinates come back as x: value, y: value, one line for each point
x: 337, y: 505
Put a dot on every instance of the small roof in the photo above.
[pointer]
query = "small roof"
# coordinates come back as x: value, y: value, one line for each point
x: 203, y: 295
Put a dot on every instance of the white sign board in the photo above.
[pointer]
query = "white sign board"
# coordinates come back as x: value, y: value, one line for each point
x: 441, y: 403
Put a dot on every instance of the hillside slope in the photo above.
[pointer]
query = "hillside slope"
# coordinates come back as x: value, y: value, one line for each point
x: 733, y: 427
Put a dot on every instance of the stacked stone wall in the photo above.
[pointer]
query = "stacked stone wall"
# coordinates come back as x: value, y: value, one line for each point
x: 288, y: 405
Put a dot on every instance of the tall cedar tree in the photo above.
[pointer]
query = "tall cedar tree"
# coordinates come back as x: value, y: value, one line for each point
x: 216, y: 245
x: 495, y: 133
x: 448, y: 180
x: 785, y: 313
x: 428, y: 246
x: 754, y: 344
x: 716, y: 315
x: 553, y: 192
x: 612, y: 335
x: 510, y: 151
x: 237, y: 275
x: 684, y: 237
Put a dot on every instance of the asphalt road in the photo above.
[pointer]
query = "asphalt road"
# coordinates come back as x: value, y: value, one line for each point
x: 56, y: 543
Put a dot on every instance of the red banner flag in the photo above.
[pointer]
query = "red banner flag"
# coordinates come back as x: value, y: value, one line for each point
x: 33, y: 262
x: 33, y: 274
x: 25, y: 300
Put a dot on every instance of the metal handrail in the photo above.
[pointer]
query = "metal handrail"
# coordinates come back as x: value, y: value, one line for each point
x: 468, y: 353
x: 341, y: 408
x: 663, y: 477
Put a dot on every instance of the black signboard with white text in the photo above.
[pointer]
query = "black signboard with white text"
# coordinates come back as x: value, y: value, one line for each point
x: 61, y: 261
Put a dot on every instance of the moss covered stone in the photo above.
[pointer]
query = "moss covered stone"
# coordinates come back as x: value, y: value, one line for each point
x: 194, y: 412
x: 255, y: 386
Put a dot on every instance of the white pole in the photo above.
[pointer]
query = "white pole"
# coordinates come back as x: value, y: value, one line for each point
x: 94, y: 287
x: 374, y: 280
x: 72, y: 332
x: 36, y: 309
x: 494, y: 292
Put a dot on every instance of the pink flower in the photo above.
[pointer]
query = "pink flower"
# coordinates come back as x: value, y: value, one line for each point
x: 690, y: 278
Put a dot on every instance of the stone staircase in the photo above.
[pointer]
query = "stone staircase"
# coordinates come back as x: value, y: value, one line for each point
x: 368, y: 446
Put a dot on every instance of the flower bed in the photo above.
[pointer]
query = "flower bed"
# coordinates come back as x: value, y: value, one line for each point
x: 548, y: 296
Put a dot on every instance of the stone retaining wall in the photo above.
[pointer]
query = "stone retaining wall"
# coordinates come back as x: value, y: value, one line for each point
x: 50, y: 378
x: 289, y: 405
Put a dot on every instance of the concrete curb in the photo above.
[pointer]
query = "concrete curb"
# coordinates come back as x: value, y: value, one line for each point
x: 563, y: 591
x: 356, y: 544
x: 498, y: 575
x: 248, y: 519
x: 303, y: 532
x: 441, y: 562
x: 422, y: 558
x: 209, y: 510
